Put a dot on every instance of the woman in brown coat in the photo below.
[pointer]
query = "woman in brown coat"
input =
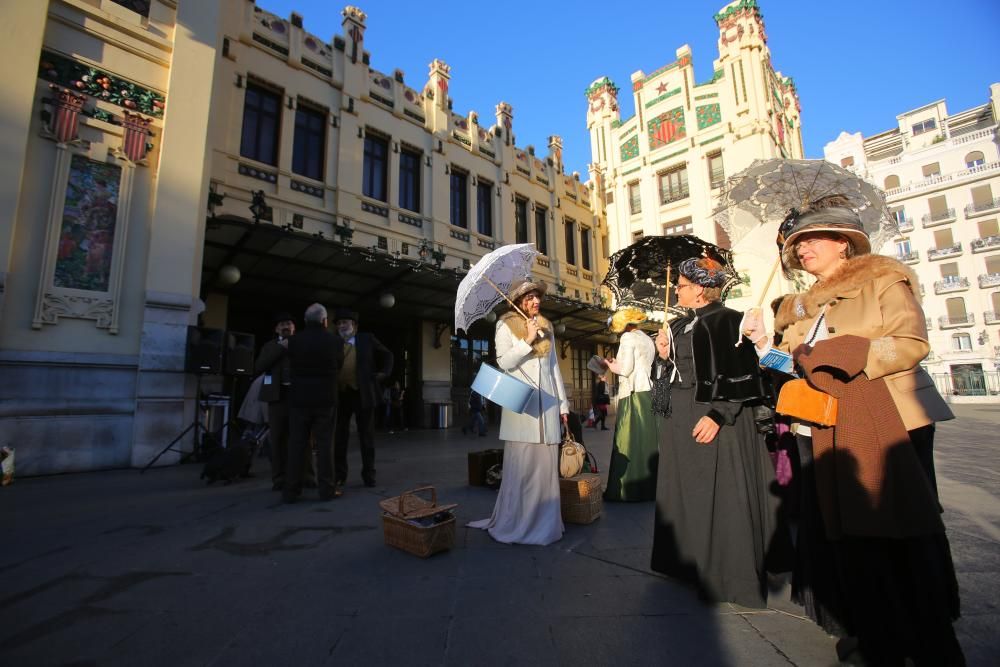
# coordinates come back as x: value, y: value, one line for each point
x: 873, y: 560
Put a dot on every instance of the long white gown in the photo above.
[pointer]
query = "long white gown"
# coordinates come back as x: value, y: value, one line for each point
x: 527, y: 510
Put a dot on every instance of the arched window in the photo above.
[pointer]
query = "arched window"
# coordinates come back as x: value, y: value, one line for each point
x: 974, y: 159
x: 961, y: 341
x: 891, y: 181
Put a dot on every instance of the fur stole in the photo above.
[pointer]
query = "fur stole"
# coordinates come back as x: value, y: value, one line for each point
x: 519, y: 328
x: 855, y: 273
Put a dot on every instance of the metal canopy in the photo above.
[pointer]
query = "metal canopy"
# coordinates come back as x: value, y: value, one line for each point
x: 275, y: 262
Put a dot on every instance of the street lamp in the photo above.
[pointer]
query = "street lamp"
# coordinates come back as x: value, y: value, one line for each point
x: 427, y: 251
x: 344, y: 231
x: 259, y: 207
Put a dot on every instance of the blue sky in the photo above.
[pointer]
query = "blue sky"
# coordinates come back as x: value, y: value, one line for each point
x: 857, y: 65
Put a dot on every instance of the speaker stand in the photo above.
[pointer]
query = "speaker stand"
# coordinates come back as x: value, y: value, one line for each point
x: 195, y: 425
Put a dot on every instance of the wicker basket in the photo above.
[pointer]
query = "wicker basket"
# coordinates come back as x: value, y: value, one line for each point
x: 398, y: 515
x: 580, y: 498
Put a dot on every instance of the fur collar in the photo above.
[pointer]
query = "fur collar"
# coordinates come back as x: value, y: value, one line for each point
x: 854, y: 274
x: 517, y: 326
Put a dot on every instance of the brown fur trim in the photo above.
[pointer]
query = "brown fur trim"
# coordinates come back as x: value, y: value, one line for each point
x: 853, y: 274
x: 519, y: 328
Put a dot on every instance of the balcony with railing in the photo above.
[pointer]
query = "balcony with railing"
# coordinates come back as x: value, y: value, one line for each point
x: 950, y: 322
x: 904, y: 224
x: 982, y: 208
x: 989, y: 280
x: 985, y: 243
x: 948, y: 180
x: 991, y: 317
x: 939, y: 218
x: 951, y: 284
x: 911, y: 257
x: 945, y: 252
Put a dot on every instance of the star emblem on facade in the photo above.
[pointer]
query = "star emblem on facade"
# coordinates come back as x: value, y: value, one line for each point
x: 662, y: 88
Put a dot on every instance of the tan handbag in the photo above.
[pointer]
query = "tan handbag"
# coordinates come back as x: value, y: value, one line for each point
x: 571, y: 456
x: 800, y: 400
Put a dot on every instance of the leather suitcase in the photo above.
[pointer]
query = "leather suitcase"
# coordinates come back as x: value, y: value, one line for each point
x: 480, y: 462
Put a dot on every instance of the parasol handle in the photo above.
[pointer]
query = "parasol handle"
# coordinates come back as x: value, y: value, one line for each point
x: 541, y: 334
x: 770, y: 279
x: 666, y: 297
x: 763, y: 293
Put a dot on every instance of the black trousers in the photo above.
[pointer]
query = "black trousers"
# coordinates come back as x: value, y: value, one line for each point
x: 317, y: 423
x: 349, y: 403
x: 277, y: 436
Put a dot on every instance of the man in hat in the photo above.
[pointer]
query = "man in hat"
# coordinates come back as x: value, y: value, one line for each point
x: 272, y: 363
x: 358, y: 387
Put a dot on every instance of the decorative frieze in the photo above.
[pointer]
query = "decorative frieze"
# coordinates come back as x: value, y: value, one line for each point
x: 99, y: 84
x: 708, y: 115
x: 306, y: 188
x: 374, y: 208
x: 666, y: 128
x: 260, y: 174
x: 410, y: 220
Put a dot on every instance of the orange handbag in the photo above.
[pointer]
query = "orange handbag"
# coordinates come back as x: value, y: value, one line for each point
x: 800, y: 400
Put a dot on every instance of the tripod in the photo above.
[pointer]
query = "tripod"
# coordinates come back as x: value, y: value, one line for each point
x: 196, y: 425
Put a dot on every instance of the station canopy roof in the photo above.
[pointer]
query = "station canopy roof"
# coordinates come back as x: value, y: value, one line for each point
x: 277, y: 263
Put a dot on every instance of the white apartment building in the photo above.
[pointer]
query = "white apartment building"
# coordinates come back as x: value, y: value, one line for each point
x: 941, y: 176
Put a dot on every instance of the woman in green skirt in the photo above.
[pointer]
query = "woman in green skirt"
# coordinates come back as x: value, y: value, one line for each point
x: 635, y: 454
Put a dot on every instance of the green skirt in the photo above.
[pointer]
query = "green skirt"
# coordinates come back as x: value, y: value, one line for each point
x: 635, y: 453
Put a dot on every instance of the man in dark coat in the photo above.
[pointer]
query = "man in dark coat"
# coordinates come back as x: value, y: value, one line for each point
x: 272, y: 362
x: 315, y: 356
x: 359, y: 385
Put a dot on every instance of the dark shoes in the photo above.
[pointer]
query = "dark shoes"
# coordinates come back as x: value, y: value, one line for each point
x: 289, y: 498
x: 337, y: 492
x: 369, y: 482
x: 278, y: 486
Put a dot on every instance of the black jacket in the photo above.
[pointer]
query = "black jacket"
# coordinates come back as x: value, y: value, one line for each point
x: 315, y: 356
x: 367, y: 347
x: 723, y: 372
x: 273, y: 360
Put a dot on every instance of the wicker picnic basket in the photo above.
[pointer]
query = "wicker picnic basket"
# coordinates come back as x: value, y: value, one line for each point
x: 404, y: 529
x: 580, y: 498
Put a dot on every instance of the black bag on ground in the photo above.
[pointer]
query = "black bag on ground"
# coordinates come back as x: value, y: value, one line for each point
x: 228, y: 463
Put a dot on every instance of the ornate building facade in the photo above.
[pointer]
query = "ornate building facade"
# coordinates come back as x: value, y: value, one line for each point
x: 178, y: 164
x: 660, y: 170
x: 941, y: 176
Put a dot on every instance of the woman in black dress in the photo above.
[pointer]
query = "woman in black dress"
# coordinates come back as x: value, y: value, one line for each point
x: 715, y: 513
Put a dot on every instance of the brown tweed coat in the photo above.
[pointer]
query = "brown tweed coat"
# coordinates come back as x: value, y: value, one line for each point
x: 868, y: 478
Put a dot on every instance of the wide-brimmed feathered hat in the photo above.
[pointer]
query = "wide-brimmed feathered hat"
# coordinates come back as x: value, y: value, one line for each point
x: 704, y: 271
x: 624, y: 317
x: 519, y: 288
x: 830, y: 214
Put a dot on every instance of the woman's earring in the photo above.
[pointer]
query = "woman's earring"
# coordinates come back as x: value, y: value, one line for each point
x: 843, y: 254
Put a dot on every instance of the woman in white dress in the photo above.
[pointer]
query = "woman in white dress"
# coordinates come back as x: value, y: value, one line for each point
x: 527, y: 510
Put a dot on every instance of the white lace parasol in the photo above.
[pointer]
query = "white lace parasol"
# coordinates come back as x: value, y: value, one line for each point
x: 486, y: 283
x: 768, y: 189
